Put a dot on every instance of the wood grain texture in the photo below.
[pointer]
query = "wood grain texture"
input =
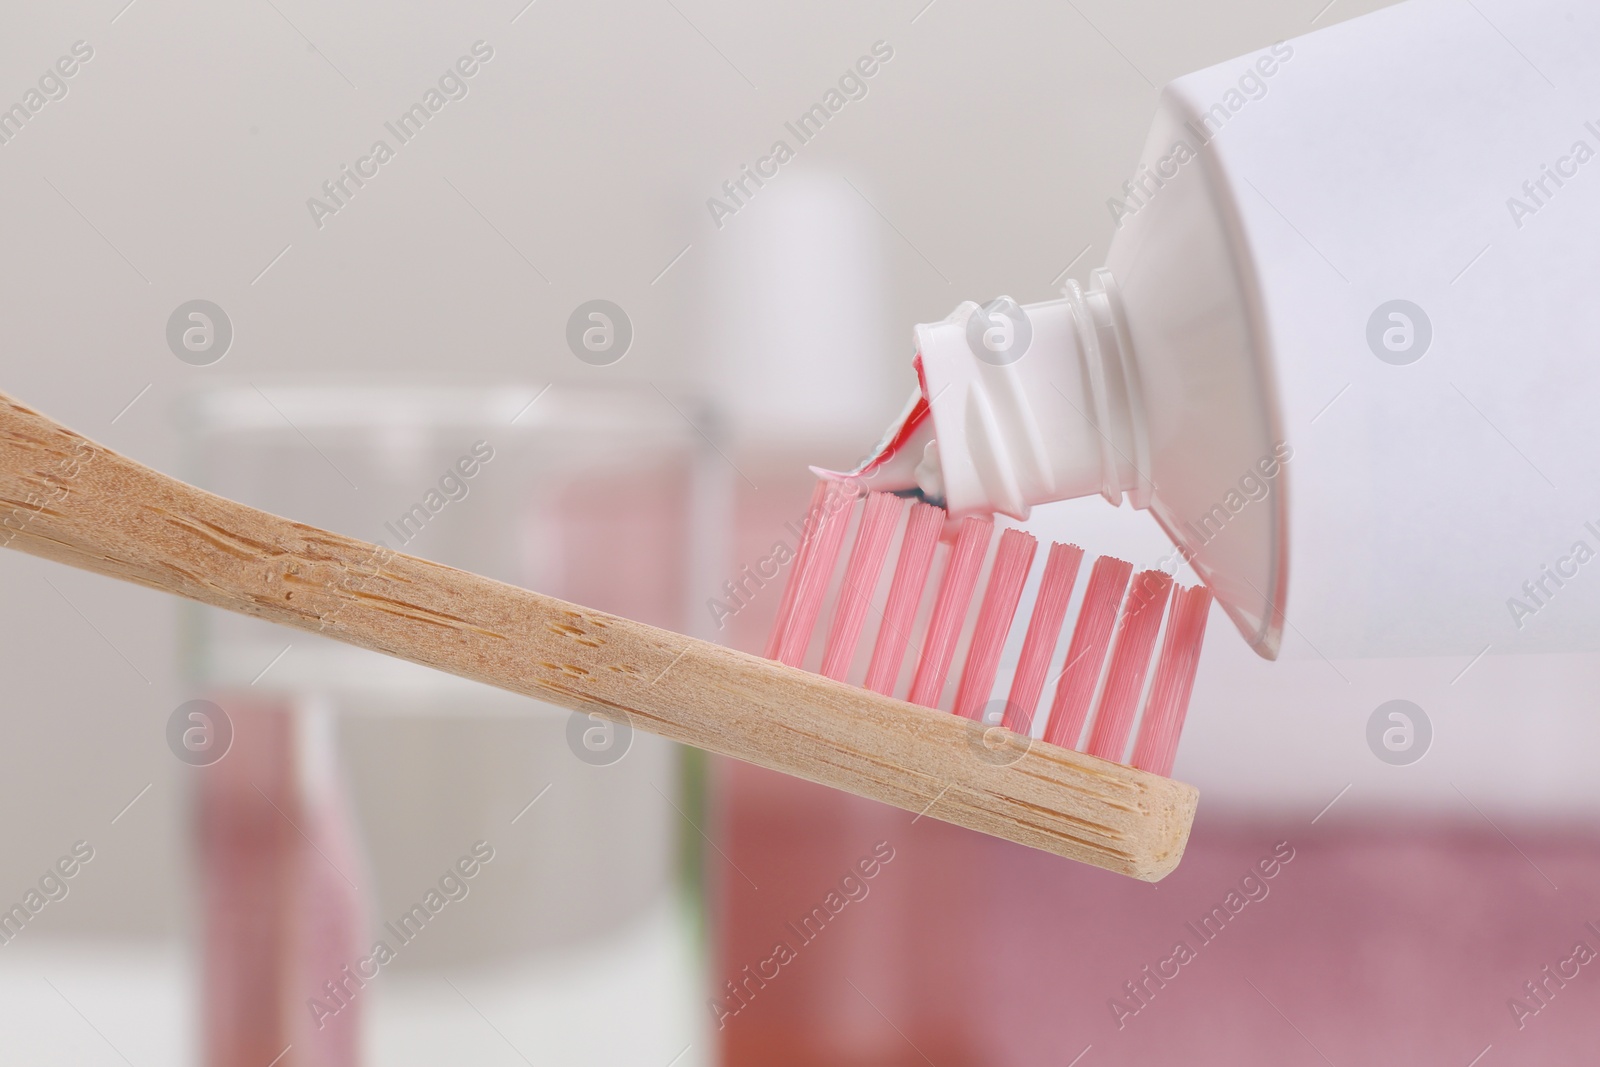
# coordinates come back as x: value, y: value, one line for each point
x: 67, y: 499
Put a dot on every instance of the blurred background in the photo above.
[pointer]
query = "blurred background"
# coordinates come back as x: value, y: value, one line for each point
x: 366, y: 340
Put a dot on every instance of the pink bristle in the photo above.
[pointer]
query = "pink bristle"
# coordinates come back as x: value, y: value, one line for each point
x: 1157, y: 745
x: 1087, y: 652
x: 905, y: 594
x: 878, y: 519
x: 1044, y: 630
x: 1130, y: 663
x: 950, y: 610
x: 1012, y: 561
x: 780, y: 625
x: 816, y: 570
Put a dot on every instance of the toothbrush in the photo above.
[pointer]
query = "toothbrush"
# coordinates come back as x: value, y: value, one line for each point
x: 1106, y: 663
x: 67, y: 499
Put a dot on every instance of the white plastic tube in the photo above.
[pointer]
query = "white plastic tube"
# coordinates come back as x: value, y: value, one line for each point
x: 1344, y: 346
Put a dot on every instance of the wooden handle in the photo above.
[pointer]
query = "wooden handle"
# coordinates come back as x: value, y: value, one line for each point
x: 67, y: 499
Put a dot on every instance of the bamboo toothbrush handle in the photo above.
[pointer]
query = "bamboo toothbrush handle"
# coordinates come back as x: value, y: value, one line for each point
x: 67, y: 499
